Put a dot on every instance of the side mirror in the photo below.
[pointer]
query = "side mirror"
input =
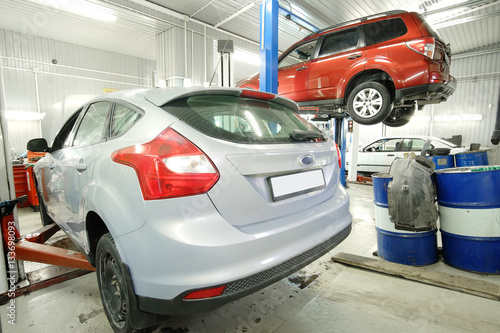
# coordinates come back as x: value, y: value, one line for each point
x: 37, y: 145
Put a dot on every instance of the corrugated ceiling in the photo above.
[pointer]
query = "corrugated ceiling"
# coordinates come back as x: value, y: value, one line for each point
x: 472, y: 25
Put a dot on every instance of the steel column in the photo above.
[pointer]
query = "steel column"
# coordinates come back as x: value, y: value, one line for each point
x: 269, y: 46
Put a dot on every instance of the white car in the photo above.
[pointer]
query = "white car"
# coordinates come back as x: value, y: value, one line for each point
x: 379, y: 154
x: 185, y: 199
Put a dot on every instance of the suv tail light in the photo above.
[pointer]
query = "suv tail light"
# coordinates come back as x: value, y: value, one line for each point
x: 169, y: 166
x: 425, y: 46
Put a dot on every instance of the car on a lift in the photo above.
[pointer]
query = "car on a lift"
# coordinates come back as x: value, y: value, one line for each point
x: 381, y: 67
x: 185, y: 199
x: 378, y: 155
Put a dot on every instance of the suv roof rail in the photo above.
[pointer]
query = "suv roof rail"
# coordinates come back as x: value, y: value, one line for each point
x: 361, y: 19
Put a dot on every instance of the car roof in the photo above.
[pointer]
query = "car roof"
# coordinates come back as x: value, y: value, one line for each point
x: 161, y: 96
x: 424, y: 137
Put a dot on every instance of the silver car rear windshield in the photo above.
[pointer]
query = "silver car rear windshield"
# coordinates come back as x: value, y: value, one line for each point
x: 244, y: 120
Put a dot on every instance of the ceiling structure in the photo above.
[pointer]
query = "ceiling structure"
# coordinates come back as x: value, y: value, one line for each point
x: 130, y: 26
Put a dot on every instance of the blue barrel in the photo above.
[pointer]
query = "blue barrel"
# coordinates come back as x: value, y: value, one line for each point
x: 399, y: 246
x: 471, y: 159
x: 469, y: 208
x: 443, y: 162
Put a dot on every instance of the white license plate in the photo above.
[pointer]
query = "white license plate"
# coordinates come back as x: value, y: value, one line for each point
x: 283, y: 187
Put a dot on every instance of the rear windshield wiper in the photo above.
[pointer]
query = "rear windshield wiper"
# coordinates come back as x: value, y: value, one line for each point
x: 300, y: 135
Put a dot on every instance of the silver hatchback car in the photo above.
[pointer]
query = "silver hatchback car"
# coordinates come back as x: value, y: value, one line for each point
x: 187, y: 198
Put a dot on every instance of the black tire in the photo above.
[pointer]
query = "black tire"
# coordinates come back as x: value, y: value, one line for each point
x: 369, y: 103
x: 113, y: 288
x: 46, y: 219
x: 400, y: 116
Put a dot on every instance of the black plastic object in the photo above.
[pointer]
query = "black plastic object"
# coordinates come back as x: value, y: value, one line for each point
x: 439, y: 151
x: 495, y: 137
x: 411, y: 194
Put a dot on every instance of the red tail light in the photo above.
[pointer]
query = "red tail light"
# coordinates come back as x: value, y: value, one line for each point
x: 257, y: 94
x: 425, y: 46
x: 205, y: 293
x: 338, y: 155
x: 169, y: 166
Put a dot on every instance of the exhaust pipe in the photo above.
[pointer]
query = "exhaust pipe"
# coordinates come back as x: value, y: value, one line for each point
x: 495, y: 137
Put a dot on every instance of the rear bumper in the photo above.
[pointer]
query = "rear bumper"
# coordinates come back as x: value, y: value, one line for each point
x: 194, y: 248
x: 431, y: 93
x: 240, y: 288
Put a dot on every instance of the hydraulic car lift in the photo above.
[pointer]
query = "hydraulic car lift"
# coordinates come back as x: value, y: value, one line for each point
x: 32, y: 248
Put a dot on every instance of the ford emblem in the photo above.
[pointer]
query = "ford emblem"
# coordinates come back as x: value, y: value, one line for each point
x: 307, y: 160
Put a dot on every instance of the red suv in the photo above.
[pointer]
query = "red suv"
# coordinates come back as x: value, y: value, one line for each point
x: 381, y: 67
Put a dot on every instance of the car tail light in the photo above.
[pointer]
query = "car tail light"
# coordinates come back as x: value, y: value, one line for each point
x: 169, y: 166
x: 425, y: 46
x: 257, y: 94
x: 338, y: 155
x: 205, y: 293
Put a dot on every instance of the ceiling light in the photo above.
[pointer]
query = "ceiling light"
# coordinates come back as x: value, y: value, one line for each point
x: 421, y: 119
x: 80, y: 7
x: 459, y: 117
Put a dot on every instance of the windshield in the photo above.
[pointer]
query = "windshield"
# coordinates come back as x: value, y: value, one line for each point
x: 243, y: 120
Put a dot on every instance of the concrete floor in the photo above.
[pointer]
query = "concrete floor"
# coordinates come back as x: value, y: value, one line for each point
x: 338, y: 298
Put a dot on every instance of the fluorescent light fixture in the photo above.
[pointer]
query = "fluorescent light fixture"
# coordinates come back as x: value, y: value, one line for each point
x: 421, y: 119
x: 247, y: 57
x: 80, y: 7
x: 459, y: 117
x: 24, y: 115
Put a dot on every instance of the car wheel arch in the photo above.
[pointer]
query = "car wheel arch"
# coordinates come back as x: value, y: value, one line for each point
x: 96, y: 228
x: 370, y: 75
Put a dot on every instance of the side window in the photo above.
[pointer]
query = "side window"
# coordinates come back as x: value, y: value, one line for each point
x: 384, y: 145
x: 412, y: 145
x: 381, y: 31
x: 62, y: 139
x: 123, y: 119
x: 92, y: 124
x: 341, y: 41
x: 300, y: 54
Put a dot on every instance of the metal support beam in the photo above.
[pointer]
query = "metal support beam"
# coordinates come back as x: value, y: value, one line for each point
x: 297, y: 20
x: 269, y: 46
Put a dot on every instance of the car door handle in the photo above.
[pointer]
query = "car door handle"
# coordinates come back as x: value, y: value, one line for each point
x: 301, y: 68
x: 81, y: 166
x: 391, y: 155
x: 354, y: 56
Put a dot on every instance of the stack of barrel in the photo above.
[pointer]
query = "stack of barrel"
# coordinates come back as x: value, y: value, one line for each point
x: 469, y: 209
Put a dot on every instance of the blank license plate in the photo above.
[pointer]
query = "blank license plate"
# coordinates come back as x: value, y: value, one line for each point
x: 283, y: 187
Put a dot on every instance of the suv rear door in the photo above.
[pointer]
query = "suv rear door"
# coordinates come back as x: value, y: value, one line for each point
x: 341, y: 55
x: 293, y: 69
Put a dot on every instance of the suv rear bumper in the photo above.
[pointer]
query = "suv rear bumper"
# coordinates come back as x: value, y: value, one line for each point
x: 431, y: 93
x: 240, y: 288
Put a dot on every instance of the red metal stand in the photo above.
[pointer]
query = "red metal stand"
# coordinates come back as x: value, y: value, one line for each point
x: 31, y: 247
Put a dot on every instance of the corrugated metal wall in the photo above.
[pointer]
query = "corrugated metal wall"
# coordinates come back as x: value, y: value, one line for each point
x: 478, y: 89
x: 28, y: 65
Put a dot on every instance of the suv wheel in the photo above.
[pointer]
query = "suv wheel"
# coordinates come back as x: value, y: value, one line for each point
x: 400, y: 116
x: 115, y: 294
x: 369, y: 103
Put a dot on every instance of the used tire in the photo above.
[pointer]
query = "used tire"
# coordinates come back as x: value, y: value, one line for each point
x: 369, y: 103
x: 114, y: 291
x: 400, y: 116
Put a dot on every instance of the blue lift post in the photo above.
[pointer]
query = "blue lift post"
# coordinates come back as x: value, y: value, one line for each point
x: 340, y: 139
x: 269, y: 46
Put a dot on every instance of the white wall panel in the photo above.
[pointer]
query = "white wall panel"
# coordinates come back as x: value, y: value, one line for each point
x: 79, y: 70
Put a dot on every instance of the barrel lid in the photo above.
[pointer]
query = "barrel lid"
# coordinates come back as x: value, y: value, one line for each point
x: 476, y: 168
